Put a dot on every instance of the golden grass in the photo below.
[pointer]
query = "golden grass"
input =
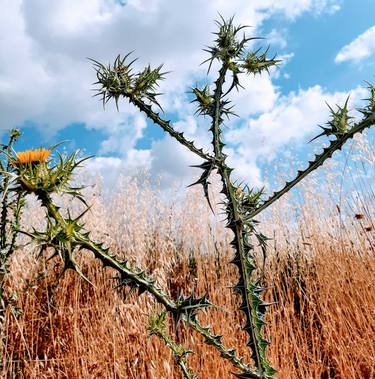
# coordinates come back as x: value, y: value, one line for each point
x: 320, y: 270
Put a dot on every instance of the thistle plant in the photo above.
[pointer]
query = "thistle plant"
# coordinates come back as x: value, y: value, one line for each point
x: 45, y: 172
x: 38, y: 173
x: 241, y: 202
x: 11, y: 209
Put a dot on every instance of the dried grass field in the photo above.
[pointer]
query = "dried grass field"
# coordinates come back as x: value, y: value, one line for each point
x: 320, y: 271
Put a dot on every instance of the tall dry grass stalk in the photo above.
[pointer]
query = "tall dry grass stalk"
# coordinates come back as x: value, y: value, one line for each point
x: 320, y: 270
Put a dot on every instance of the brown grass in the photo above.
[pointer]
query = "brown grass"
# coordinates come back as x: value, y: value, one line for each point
x: 320, y: 270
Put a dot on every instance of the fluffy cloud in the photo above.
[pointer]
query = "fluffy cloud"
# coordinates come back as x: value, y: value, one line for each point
x: 125, y: 135
x: 294, y: 8
x: 360, y: 48
x: 45, y: 76
x: 293, y: 118
x: 110, y: 169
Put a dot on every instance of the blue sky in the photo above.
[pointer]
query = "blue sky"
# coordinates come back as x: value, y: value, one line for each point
x: 327, y: 46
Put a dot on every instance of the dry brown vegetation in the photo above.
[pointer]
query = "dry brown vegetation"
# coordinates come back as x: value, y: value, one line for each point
x: 320, y: 270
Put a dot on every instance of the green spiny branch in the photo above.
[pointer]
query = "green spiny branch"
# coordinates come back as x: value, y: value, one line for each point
x: 229, y: 354
x: 241, y: 204
x: 5, y: 186
x: 227, y: 52
x: 116, y: 81
x: 166, y: 126
x: 67, y: 235
x: 157, y: 327
x: 184, y: 308
x: 9, y: 224
x: 345, y: 134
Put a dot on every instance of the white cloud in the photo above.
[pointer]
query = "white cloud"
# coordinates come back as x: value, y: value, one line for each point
x: 293, y: 118
x: 259, y: 95
x: 125, y: 136
x: 133, y: 163
x: 294, y: 8
x: 45, y: 77
x: 360, y: 48
x: 277, y: 37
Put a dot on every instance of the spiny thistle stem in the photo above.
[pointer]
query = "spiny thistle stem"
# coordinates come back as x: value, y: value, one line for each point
x: 16, y: 224
x: 134, y: 274
x: 243, y: 260
x: 319, y: 160
x: 229, y: 354
x: 157, y: 327
x: 5, y: 189
x: 217, y: 116
x: 108, y: 260
x: 241, y: 204
x: 140, y: 280
x: 7, y: 238
x: 166, y: 126
x: 240, y: 225
x: 4, y: 213
x: 117, y: 81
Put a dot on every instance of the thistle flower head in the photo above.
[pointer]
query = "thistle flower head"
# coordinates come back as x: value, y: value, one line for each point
x: 36, y: 174
x: 228, y: 45
x: 204, y: 99
x: 256, y: 61
x: 369, y: 109
x: 33, y: 156
x: 340, y: 119
x: 117, y: 81
x: 339, y: 123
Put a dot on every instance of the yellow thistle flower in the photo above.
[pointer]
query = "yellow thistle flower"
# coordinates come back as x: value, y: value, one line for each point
x: 32, y: 156
x: 239, y: 191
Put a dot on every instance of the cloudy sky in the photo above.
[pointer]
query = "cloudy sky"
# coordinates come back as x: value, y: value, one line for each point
x: 327, y: 48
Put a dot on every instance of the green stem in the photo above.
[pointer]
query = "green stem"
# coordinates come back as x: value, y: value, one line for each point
x: 6, y: 249
x: 140, y: 278
x: 5, y: 190
x: 243, y: 260
x: 317, y: 162
x: 216, y: 121
x: 166, y: 126
x: 52, y: 209
x: 228, y: 354
x: 19, y: 203
x: 4, y: 214
x: 108, y: 260
x: 178, y: 352
x: 136, y: 275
